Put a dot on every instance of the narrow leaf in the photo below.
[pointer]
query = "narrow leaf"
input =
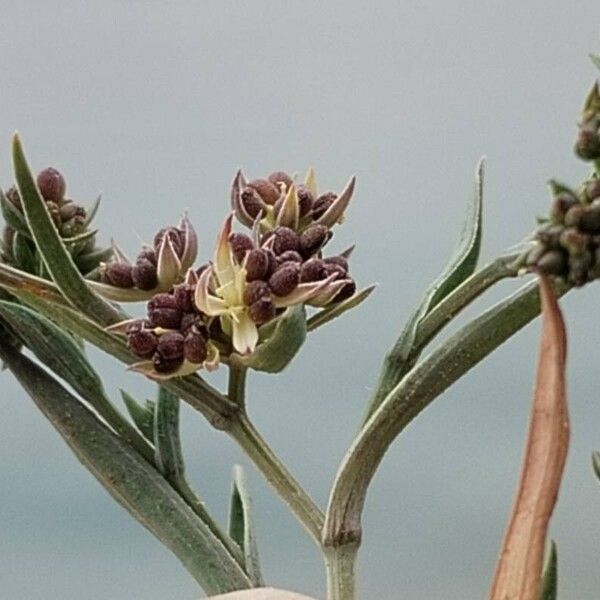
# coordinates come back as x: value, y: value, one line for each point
x: 550, y: 575
x: 169, y: 458
x: 134, y: 483
x: 519, y: 568
x: 284, y: 340
x: 13, y: 216
x: 60, y: 353
x: 142, y: 415
x: 596, y: 463
x: 23, y: 253
x: 596, y: 60
x: 328, y: 314
x: 57, y: 258
x: 91, y: 212
x: 241, y: 525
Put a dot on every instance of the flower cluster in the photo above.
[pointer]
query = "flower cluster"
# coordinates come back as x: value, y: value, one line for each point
x: 568, y: 244
x: 72, y: 222
x: 195, y: 320
x: 157, y: 268
x: 587, y: 145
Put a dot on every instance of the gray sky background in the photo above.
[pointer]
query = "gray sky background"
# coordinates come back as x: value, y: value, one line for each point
x: 156, y: 104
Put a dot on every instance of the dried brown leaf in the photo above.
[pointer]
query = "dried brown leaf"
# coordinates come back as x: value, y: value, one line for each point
x: 519, y: 568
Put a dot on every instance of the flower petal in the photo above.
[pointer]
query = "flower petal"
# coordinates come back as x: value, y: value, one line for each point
x: 206, y: 302
x: 324, y: 297
x: 212, y: 360
x: 311, y: 182
x: 336, y: 211
x: 289, y: 213
x: 245, y: 334
x: 303, y: 292
x: 120, y: 294
x: 236, y: 200
x: 122, y: 326
x: 168, y: 266
x: 190, y: 248
x: 223, y: 261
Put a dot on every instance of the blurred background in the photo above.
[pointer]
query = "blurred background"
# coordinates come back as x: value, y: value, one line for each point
x: 156, y: 104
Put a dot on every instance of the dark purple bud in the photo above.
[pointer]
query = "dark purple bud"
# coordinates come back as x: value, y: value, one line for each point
x: 592, y: 189
x: 176, y: 237
x: 144, y: 274
x: 334, y: 269
x: 341, y: 262
x: 587, y: 146
x: 560, y: 205
x: 142, y: 342
x: 285, y: 239
x: 313, y: 270
x: 257, y: 265
x: 574, y: 215
x: 579, y: 266
x: 52, y: 185
x: 590, y: 220
x: 147, y: 254
x: 194, y: 347
x: 70, y: 210
x: 12, y: 195
x: 256, y: 290
x: 279, y: 177
x: 346, y: 292
x: 164, y: 312
x: 262, y: 310
x: 285, y: 279
x: 272, y: 261
x: 165, y: 366
x: 118, y: 274
x: 322, y: 204
x: 252, y: 202
x: 574, y: 241
x: 170, y: 345
x: 193, y: 320
x: 305, y: 200
x: 184, y: 297
x: 552, y: 262
x: 289, y: 255
x: 313, y: 239
x: 240, y: 244
x: 266, y: 190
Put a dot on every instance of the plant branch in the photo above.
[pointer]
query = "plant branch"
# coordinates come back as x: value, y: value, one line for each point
x: 416, y: 391
x: 340, y: 563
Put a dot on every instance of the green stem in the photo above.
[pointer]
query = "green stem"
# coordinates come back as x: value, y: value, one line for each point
x: 236, y: 390
x: 340, y: 563
x: 276, y: 473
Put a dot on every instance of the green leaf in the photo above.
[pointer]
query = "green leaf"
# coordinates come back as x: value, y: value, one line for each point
x: 13, y: 216
x: 241, y: 525
x: 23, y: 253
x: 90, y: 261
x: 328, y: 314
x: 91, y: 212
x: 596, y: 463
x: 131, y: 480
x: 60, y: 353
x: 550, y: 575
x: 168, y: 455
x: 81, y: 237
x: 283, y: 341
x: 596, y: 60
x: 56, y: 257
x: 460, y: 267
x: 142, y: 415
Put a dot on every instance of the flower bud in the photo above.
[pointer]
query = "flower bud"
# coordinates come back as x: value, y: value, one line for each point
x: 117, y: 274
x: 193, y: 320
x: 174, y: 235
x: 552, y: 262
x: 142, y: 342
x: 346, y: 292
x: 254, y: 291
x: 313, y: 270
x: 257, y: 264
x: 184, y: 297
x: 342, y: 262
x: 164, y: 312
x: 305, y: 200
x: 574, y: 215
x: 285, y: 279
x: 266, y: 190
x: 560, y: 205
x: 285, y: 239
x: 592, y: 189
x: 52, y: 185
x: 313, y: 239
x: 279, y: 177
x: 240, y: 244
x: 251, y: 202
x: 170, y: 346
x: 332, y: 268
x: 289, y: 255
x: 194, y: 347
x: 147, y: 254
x: 262, y: 310
x: 579, y: 265
x: 574, y: 241
x: 322, y: 203
x: 549, y: 236
x: 69, y: 210
x: 144, y: 275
